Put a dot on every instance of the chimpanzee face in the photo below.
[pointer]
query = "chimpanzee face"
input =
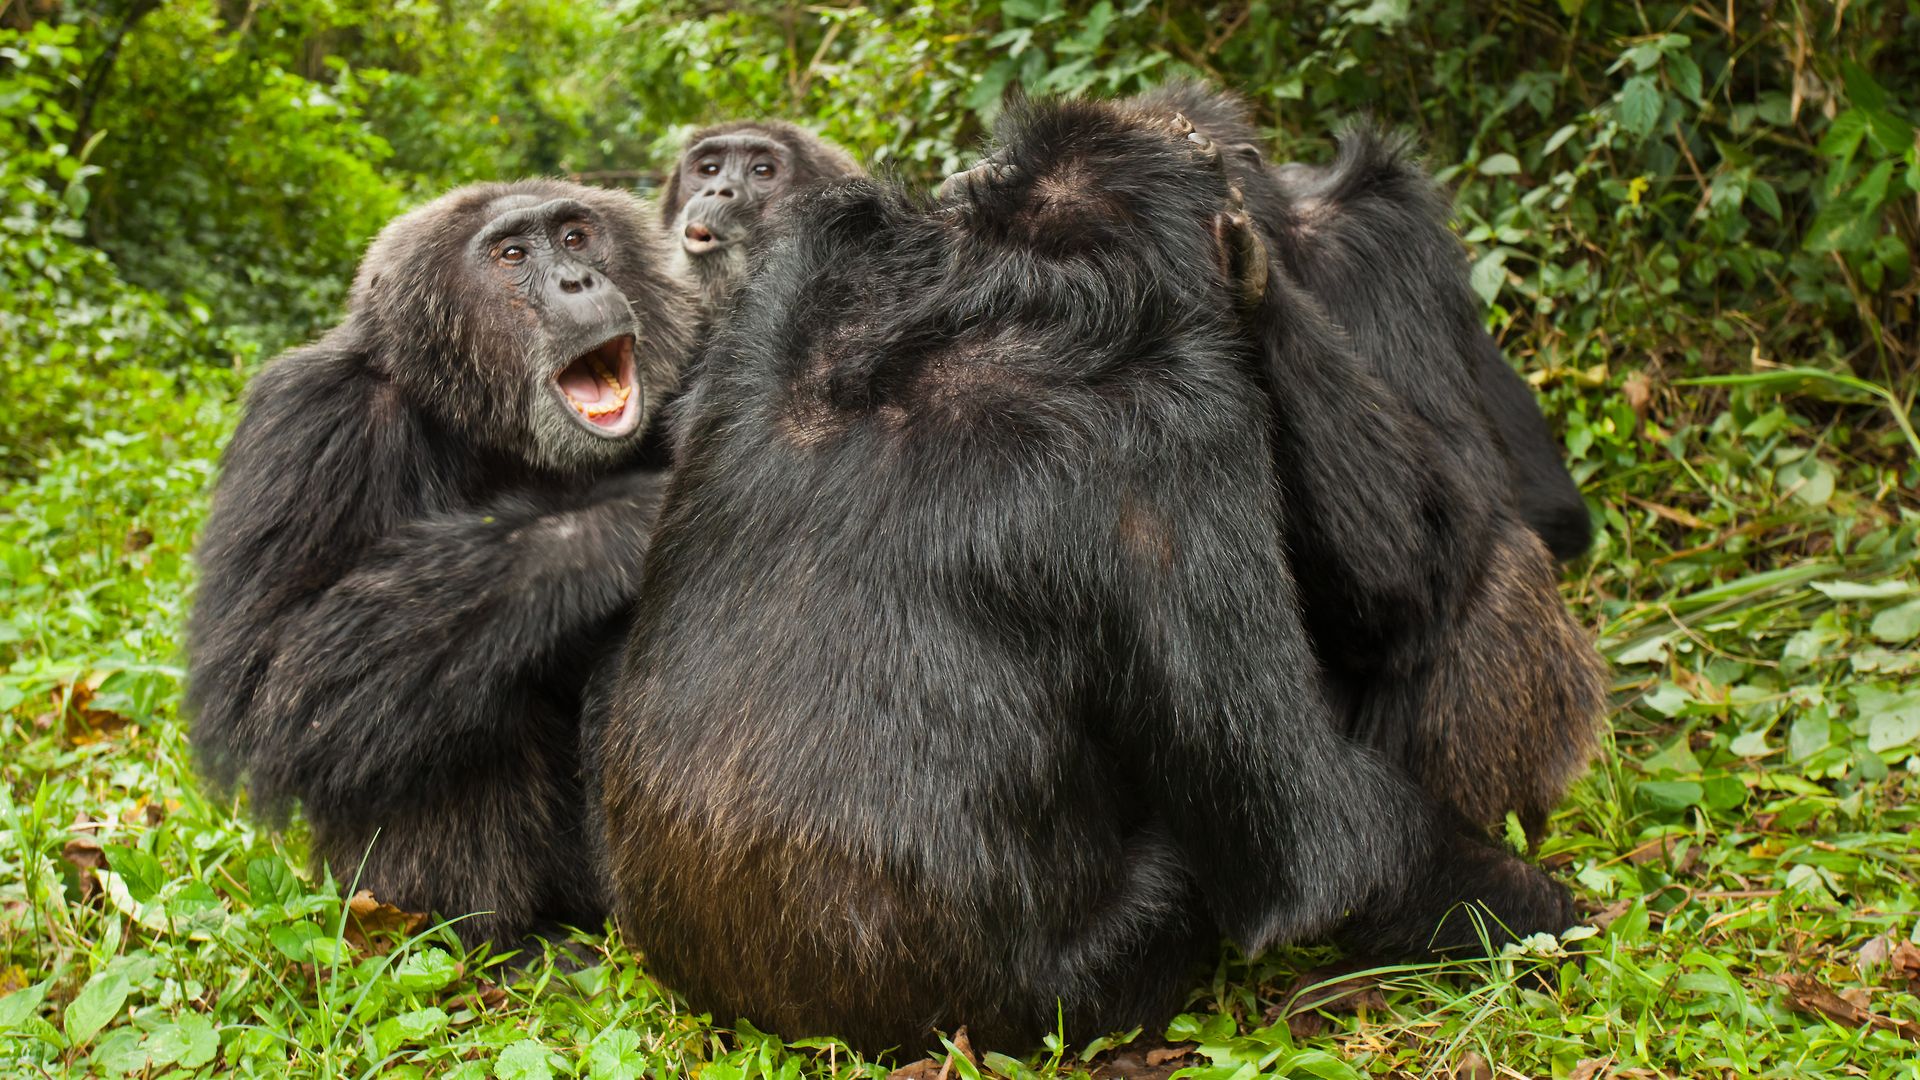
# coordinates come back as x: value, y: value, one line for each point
x: 729, y: 180
x: 555, y: 257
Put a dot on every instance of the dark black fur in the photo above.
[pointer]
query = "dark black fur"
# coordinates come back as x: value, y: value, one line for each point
x: 1370, y: 241
x: 416, y: 555
x: 1433, y: 607
x: 968, y: 679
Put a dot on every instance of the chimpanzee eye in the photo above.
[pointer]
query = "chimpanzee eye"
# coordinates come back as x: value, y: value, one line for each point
x: 708, y: 168
x: 575, y: 239
x: 764, y: 170
x: 513, y: 254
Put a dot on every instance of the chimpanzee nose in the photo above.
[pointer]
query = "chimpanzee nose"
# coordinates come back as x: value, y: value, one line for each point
x: 718, y: 193
x: 574, y: 283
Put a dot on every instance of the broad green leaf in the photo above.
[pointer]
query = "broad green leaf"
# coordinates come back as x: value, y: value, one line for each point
x: 1670, y: 795
x: 271, y: 881
x: 97, y: 1003
x: 188, y: 1042
x: 1898, y: 624
x: 1809, y: 734
x: 524, y: 1060
x: 426, y: 971
x: 1640, y: 103
x: 1500, y: 165
x: 616, y: 1055
x: 1489, y: 274
x: 18, y: 1006
x: 142, y: 873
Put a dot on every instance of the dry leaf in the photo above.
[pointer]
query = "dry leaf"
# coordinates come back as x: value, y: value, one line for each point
x: 924, y: 1069
x: 938, y: 1069
x: 1808, y: 995
x: 372, y: 926
x: 85, y: 855
x: 84, y: 723
x: 1589, y: 1068
x: 1472, y: 1067
x: 1906, y: 961
x: 1639, y: 392
x: 1164, y: 1054
x: 1336, y: 989
x: 1139, y: 1061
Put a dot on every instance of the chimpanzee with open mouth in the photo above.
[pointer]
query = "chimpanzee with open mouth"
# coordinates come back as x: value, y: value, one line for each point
x: 425, y: 535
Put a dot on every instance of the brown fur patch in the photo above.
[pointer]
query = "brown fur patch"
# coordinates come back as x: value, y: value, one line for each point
x: 1145, y: 535
x: 1514, y: 703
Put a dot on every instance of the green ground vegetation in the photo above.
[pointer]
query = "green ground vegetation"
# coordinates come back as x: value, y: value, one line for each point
x: 1693, y: 224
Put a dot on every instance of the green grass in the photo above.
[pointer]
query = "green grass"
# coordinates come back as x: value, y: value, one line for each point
x: 1751, y: 819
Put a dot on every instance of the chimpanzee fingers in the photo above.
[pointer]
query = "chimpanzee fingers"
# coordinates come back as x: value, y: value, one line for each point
x: 1243, y: 256
x: 972, y: 184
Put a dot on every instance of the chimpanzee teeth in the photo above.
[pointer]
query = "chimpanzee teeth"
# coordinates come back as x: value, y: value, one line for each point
x: 619, y: 402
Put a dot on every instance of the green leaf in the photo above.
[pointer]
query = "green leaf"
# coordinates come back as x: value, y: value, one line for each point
x: 1489, y: 274
x: 295, y: 940
x: 616, y: 1055
x: 1670, y: 795
x: 1500, y: 165
x: 1811, y: 733
x: 1685, y: 75
x: 120, y: 1052
x: 412, y: 1027
x: 426, y: 971
x: 1898, y: 624
x: 271, y: 881
x: 95, y: 1006
x: 1861, y: 89
x: 1558, y: 139
x: 1640, y: 103
x: 142, y: 873
x: 1843, y: 135
x: 1854, y: 590
x: 527, y: 1059
x: 188, y: 1042
x: 16, y: 1008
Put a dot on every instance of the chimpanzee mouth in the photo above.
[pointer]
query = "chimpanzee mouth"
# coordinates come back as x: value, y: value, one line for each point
x: 700, y: 239
x: 599, y: 389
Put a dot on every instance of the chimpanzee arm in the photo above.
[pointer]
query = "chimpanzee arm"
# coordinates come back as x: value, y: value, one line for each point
x: 349, y: 640
x: 1385, y: 532
x: 326, y: 459
x: 1369, y: 239
x: 1289, y: 827
x: 411, y: 663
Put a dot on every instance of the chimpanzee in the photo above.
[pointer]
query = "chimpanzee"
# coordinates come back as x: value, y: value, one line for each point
x: 967, y: 684
x: 727, y: 178
x: 1433, y: 607
x: 1371, y: 242
x: 424, y: 536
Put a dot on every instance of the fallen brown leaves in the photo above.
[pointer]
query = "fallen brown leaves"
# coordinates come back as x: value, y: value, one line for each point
x: 1140, y: 1061
x: 937, y: 1069
x: 1806, y: 994
x: 376, y: 927
x: 1337, y: 989
x: 81, y: 723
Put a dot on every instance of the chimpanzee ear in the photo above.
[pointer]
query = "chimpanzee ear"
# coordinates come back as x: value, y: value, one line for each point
x: 670, y: 196
x: 1242, y: 254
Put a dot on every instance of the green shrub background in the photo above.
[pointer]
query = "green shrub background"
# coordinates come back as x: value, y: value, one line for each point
x: 1694, y: 227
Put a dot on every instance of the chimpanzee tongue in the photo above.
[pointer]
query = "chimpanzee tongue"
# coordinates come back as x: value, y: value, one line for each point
x: 580, y: 384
